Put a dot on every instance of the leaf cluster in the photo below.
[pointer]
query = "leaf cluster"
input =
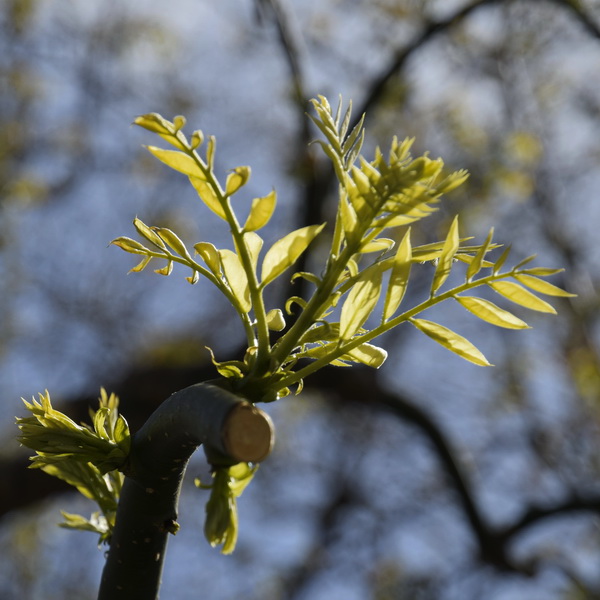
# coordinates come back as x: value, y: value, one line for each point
x: 358, y: 294
x: 86, y: 457
x: 221, y: 524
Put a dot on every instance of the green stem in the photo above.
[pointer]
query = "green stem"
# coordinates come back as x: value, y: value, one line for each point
x: 262, y: 330
x: 316, y: 306
x: 384, y: 327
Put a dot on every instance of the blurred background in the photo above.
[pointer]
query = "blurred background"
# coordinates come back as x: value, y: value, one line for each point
x: 429, y: 479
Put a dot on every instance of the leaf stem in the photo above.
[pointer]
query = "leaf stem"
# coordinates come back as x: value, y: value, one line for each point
x: 259, y: 336
x: 385, y: 327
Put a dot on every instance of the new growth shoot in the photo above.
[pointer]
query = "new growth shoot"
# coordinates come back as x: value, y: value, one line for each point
x: 358, y: 295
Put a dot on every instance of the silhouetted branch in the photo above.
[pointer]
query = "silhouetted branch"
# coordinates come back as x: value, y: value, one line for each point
x: 147, y: 513
x: 361, y: 386
x: 289, y: 44
x: 377, y: 87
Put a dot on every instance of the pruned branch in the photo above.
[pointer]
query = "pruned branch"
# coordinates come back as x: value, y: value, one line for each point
x: 147, y: 513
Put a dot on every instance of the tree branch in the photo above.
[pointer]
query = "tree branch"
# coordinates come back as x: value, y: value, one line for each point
x: 380, y: 81
x: 361, y: 386
x: 147, y: 512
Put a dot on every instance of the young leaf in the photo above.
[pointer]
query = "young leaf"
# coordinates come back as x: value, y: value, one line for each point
x: 294, y: 300
x: 208, y: 196
x: 173, y: 240
x: 210, y: 151
x: 519, y: 295
x: 360, y: 303
x: 275, y: 320
x: 179, y: 122
x: 349, y: 219
x: 178, y: 161
x: 376, y: 245
x: 305, y: 275
x: 130, y: 245
x: 501, y: 260
x: 165, y: 129
x: 543, y: 287
x: 367, y: 354
x: 323, y: 332
x: 451, y: 341
x: 444, y: 265
x: 542, y: 271
x: 166, y: 270
x: 149, y: 234
x: 254, y: 243
x: 524, y: 262
x: 196, y: 139
x: 488, y: 311
x: 210, y: 255
x: 286, y: 251
x: 236, y: 277
x: 141, y: 265
x: 155, y: 123
x: 261, y: 212
x: 236, y: 179
x: 398, y: 277
x: 230, y: 369
x: 477, y: 262
x: 194, y: 278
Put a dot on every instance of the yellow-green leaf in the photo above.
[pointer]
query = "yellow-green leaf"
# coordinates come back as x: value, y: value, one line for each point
x: 324, y: 331
x: 236, y: 179
x: 193, y: 278
x: 286, y: 251
x: 451, y: 341
x: 261, y: 212
x: 210, y: 255
x: 179, y: 122
x: 275, y: 320
x: 542, y: 271
x: 444, y: 265
x: 501, y: 260
x: 360, y: 302
x: 543, y: 287
x: 130, y: 245
x: 367, y: 354
x: 478, y: 260
x: 519, y: 295
x: 230, y: 369
x: 210, y: 151
x: 149, y: 233
x: 236, y: 277
x: 254, y: 243
x: 155, y: 123
x: 197, y: 139
x: 178, y: 161
x: 398, y: 277
x: 294, y: 300
x: 349, y: 219
x: 208, y: 196
x: 166, y: 270
x: 165, y: 129
x: 488, y: 311
x: 141, y: 265
x: 377, y: 245
x: 173, y: 240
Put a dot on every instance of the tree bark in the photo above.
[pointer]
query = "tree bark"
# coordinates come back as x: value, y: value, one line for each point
x: 206, y: 414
